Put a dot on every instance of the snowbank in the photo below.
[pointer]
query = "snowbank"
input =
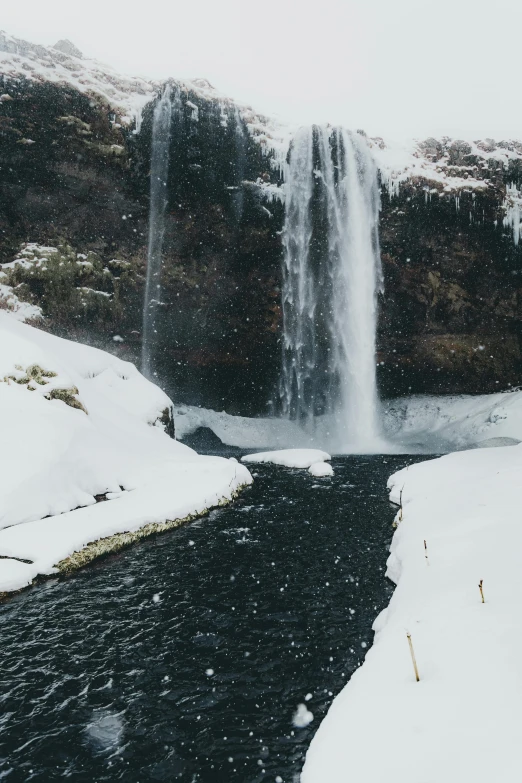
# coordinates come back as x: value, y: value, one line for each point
x: 447, y: 423
x: 421, y: 424
x: 462, y: 721
x: 80, y: 426
x: 289, y: 458
x: 240, y: 431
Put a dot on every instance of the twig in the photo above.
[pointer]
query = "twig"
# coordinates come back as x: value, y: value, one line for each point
x: 481, y: 591
x: 426, y: 552
x: 400, y: 503
x: 413, y: 658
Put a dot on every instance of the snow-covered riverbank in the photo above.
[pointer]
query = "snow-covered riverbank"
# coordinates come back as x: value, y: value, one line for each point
x: 84, y: 456
x: 462, y: 721
x: 411, y: 425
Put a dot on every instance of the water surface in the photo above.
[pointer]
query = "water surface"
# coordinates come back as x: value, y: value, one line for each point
x: 185, y: 657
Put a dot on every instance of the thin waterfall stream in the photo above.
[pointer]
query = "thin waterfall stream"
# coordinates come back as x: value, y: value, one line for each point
x: 159, y: 171
x: 331, y: 277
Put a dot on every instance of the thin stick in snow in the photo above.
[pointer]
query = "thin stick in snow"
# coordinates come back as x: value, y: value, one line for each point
x: 413, y: 658
x: 426, y: 552
x: 481, y: 591
x: 400, y: 503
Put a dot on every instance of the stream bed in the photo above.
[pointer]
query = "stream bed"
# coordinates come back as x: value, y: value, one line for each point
x: 185, y: 657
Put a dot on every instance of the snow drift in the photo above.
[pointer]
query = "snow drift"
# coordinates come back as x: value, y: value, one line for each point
x: 289, y: 458
x: 411, y: 425
x: 462, y: 721
x: 80, y: 426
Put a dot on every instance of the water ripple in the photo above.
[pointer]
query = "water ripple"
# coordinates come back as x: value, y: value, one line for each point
x: 186, y: 656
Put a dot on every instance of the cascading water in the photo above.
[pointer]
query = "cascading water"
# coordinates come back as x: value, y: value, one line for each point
x: 331, y: 277
x: 240, y: 163
x: 159, y: 170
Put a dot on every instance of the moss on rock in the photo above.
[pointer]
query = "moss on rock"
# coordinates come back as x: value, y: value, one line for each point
x: 111, y: 544
x: 68, y: 396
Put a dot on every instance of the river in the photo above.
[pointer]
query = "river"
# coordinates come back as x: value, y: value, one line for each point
x: 186, y: 656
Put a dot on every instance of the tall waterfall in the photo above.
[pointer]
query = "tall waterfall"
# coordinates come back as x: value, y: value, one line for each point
x: 159, y: 171
x: 331, y: 277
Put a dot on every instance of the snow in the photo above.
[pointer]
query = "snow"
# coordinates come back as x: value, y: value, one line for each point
x: 462, y: 721
x: 410, y: 160
x: 22, y: 311
x: 289, y: 458
x: 418, y: 424
x: 127, y: 96
x: 55, y: 459
x: 405, y: 159
x: 320, y: 469
x: 447, y: 423
x: 240, y: 431
x: 46, y: 64
x: 302, y: 717
x: 86, y: 290
x: 513, y: 209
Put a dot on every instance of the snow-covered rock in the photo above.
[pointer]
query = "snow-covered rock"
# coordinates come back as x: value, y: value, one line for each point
x: 78, y: 426
x: 64, y: 64
x: 22, y: 311
x: 462, y: 721
x: 425, y: 424
x: 447, y: 423
x: 453, y: 164
x: 289, y: 458
x: 302, y: 716
x: 240, y: 431
x: 321, y: 469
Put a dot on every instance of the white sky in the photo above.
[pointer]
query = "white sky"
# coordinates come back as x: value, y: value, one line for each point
x: 392, y: 67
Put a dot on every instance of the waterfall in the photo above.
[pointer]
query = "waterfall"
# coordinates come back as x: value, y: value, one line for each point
x: 331, y: 276
x: 159, y: 170
x: 240, y: 143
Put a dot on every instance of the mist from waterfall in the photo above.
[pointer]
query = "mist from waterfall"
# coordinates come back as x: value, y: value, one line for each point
x: 331, y: 276
x: 159, y: 171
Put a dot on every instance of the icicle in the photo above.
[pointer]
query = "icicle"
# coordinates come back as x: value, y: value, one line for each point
x: 194, y: 111
x: 513, y: 206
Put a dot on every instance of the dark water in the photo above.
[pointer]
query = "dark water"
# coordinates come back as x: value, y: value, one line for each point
x: 185, y: 657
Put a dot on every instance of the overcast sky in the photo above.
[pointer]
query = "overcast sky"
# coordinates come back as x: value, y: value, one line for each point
x: 392, y: 67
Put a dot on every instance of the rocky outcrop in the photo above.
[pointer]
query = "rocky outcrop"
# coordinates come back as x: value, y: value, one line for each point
x: 451, y: 312
x: 74, y: 199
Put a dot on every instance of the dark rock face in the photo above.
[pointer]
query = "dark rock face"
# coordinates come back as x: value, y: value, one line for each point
x: 451, y: 313
x: 72, y: 177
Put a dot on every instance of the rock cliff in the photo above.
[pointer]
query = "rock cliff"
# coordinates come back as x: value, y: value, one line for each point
x: 74, y: 194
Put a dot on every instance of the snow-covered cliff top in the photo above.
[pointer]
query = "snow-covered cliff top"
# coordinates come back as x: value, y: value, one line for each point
x: 452, y: 165
x: 49, y: 64
x: 126, y: 95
